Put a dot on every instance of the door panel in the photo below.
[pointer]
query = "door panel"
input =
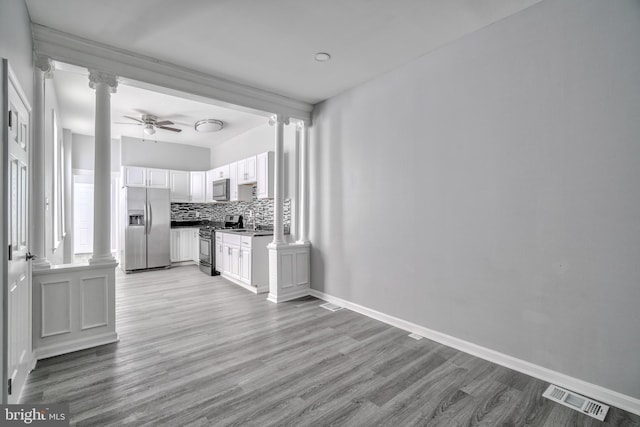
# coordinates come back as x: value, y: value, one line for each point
x: 135, y: 242
x: 158, y: 230
x: 17, y: 355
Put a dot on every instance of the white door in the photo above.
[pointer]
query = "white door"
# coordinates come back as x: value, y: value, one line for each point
x: 17, y: 355
x: 83, y: 217
x: 186, y: 244
x: 157, y: 178
x: 197, y: 186
x: 245, y: 265
x: 180, y: 186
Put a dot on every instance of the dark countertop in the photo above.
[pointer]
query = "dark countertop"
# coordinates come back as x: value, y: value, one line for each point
x: 188, y: 224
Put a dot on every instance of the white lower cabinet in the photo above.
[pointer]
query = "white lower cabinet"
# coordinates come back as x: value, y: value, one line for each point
x: 219, y: 248
x: 245, y: 260
x: 184, y: 244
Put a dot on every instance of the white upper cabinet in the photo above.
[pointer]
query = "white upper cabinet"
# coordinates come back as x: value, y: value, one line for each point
x: 221, y: 173
x: 264, y: 172
x: 197, y: 187
x: 233, y: 181
x: 157, y: 178
x: 247, y: 170
x: 134, y: 176
x: 180, y: 186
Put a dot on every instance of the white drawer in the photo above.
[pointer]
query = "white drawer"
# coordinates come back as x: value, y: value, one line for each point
x: 232, y: 239
x: 246, y: 241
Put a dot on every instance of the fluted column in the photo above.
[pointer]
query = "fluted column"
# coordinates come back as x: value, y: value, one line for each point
x: 303, y: 217
x: 43, y: 71
x: 104, y: 85
x: 278, y: 186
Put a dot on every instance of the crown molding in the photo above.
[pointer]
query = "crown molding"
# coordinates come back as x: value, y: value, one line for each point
x: 64, y: 47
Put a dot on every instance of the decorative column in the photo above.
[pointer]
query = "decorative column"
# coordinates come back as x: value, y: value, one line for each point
x: 288, y: 263
x: 104, y: 85
x: 68, y: 197
x: 303, y: 202
x: 278, y: 186
x: 44, y: 70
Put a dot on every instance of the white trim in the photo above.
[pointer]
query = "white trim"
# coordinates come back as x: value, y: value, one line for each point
x: 239, y: 283
x: 289, y: 296
x: 594, y: 391
x: 79, y: 51
x: 44, y: 304
x: 105, y: 283
x: 75, y: 345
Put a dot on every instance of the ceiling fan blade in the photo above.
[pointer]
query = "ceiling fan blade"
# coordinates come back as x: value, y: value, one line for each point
x: 134, y: 118
x: 171, y: 129
x: 164, y: 123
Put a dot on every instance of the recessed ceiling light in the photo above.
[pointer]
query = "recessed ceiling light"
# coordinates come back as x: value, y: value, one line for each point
x: 208, y: 125
x: 322, y: 57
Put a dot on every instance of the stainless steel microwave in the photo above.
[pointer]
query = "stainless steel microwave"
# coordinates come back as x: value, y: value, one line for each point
x: 220, y: 190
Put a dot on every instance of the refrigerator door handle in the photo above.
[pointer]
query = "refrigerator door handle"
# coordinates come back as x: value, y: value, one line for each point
x: 150, y: 221
x: 146, y: 217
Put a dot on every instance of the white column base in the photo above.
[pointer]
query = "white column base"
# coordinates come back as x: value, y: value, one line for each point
x: 41, y: 264
x: 289, y: 265
x: 102, y: 259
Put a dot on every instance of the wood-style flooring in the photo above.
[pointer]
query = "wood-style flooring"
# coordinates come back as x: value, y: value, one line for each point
x: 200, y: 351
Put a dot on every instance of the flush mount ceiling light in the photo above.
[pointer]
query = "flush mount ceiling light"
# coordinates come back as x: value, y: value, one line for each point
x: 208, y: 125
x: 322, y: 57
x: 149, y: 129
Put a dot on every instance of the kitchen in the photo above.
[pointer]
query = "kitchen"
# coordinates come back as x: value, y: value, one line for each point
x: 192, y: 209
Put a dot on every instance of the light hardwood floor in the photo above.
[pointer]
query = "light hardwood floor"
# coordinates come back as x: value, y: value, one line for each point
x: 199, y: 350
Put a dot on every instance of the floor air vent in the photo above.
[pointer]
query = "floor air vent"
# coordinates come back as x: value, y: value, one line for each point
x: 575, y: 401
x: 331, y: 307
x: 415, y: 336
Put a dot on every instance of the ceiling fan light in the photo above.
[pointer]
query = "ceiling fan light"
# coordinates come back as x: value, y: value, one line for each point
x: 208, y: 125
x: 149, y: 129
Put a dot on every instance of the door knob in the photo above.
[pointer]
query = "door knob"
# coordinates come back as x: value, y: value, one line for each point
x: 29, y: 256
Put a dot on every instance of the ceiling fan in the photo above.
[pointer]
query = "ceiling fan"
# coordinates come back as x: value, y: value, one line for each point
x: 151, y: 123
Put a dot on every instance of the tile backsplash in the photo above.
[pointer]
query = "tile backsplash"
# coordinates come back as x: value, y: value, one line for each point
x: 263, y: 209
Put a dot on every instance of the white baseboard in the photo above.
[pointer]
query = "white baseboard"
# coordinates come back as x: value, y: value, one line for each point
x: 289, y: 296
x: 58, y: 348
x: 610, y: 397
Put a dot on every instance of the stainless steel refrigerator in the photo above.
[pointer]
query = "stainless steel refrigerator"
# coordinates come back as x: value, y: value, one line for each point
x: 146, y: 231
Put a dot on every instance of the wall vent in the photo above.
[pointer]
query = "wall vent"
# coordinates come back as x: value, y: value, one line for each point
x: 330, y: 307
x: 415, y: 336
x: 577, y: 402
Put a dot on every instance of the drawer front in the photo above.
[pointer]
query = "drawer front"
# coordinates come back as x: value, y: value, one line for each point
x: 231, y: 239
x: 246, y: 242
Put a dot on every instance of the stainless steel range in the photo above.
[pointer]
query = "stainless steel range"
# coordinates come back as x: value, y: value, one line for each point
x: 208, y: 239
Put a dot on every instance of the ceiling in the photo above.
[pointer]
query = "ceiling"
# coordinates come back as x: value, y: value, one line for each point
x: 264, y: 44
x: 77, y: 104
x: 270, y: 44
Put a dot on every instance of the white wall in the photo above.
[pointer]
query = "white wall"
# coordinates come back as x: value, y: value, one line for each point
x: 252, y: 142
x: 15, y: 42
x: 164, y: 155
x: 84, y: 152
x: 489, y: 190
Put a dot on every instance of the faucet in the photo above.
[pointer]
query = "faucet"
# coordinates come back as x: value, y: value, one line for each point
x: 251, y: 218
